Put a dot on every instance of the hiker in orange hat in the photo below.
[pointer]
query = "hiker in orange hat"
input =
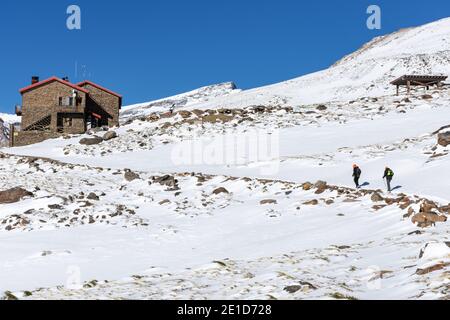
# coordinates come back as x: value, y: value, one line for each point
x: 356, y: 175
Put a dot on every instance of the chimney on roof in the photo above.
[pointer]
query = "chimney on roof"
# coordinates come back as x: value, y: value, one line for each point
x: 34, y: 79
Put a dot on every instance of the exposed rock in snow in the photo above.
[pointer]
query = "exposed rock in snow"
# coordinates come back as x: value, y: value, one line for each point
x: 130, y: 175
x: 91, y: 141
x: 13, y: 195
x: 220, y: 190
x: 109, y: 135
x: 444, y: 139
x: 184, y: 100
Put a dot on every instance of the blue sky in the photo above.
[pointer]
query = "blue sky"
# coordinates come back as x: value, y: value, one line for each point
x: 152, y: 49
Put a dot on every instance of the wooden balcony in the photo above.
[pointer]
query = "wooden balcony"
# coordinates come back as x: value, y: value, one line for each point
x: 69, y: 109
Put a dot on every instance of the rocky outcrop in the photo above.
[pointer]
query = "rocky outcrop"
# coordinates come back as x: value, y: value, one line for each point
x: 213, y: 118
x: 436, y: 267
x: 430, y: 213
x: 13, y: 195
x: 427, y: 219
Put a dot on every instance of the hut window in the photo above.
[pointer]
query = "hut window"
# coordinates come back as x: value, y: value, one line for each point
x: 66, y: 101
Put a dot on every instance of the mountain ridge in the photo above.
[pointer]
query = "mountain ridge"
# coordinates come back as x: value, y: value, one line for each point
x: 366, y: 72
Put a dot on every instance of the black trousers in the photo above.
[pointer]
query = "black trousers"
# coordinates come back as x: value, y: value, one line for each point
x: 388, y: 181
x: 356, y: 179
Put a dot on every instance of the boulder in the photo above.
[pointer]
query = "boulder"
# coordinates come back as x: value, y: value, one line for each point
x: 376, y: 197
x: 130, y: 175
x: 109, y: 135
x: 427, y: 97
x: 93, y: 196
x: 307, y: 186
x: 410, y: 213
x: 163, y: 202
x: 8, y: 296
x: 220, y: 190
x: 311, y: 203
x: 293, y: 289
x: 13, y: 195
x: 268, y: 201
x: 91, y: 141
x: 322, y: 107
x: 390, y: 201
x: 167, y: 180
x: 444, y: 139
x: 320, y: 184
x: 321, y: 187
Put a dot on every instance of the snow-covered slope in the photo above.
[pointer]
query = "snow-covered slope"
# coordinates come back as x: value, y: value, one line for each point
x: 364, y: 73
x: 184, y: 100
x: 216, y: 203
x: 10, y: 118
x: 367, y: 72
x: 5, y: 121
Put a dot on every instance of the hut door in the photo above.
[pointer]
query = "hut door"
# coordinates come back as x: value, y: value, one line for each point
x: 60, y: 122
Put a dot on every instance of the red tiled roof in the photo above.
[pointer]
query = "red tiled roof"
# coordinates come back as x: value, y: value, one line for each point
x: 44, y: 82
x: 98, y: 87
